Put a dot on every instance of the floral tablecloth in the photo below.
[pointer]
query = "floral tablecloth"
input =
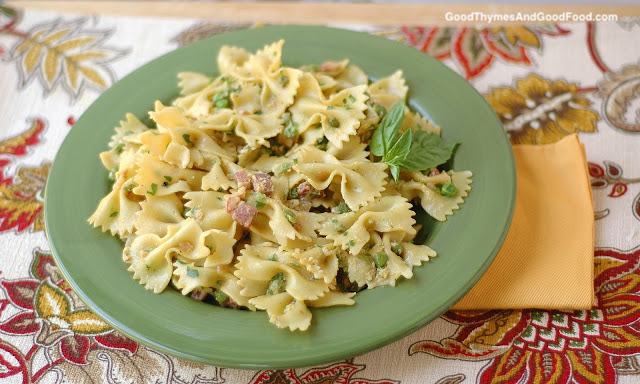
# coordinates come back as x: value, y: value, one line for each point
x: 544, y: 81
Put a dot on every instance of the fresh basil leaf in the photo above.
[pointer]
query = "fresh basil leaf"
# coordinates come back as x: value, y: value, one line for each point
x: 385, y: 135
x: 395, y: 171
x: 400, y: 149
x: 428, y: 150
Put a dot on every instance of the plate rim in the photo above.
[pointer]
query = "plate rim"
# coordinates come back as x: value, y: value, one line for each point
x: 304, y: 361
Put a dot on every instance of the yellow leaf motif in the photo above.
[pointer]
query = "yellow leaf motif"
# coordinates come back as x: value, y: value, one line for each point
x: 540, y: 111
x: 72, y: 73
x: 66, y: 53
x: 86, y: 322
x: 51, y: 302
x: 51, y: 65
x: 32, y: 58
x: 75, y: 43
x: 93, y: 76
x: 56, y: 35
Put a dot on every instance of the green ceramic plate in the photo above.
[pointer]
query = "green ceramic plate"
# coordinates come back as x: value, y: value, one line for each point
x: 466, y: 243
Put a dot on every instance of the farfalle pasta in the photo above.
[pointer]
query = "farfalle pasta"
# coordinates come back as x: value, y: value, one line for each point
x: 275, y: 188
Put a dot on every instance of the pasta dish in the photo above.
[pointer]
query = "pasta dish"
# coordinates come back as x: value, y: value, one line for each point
x: 276, y: 188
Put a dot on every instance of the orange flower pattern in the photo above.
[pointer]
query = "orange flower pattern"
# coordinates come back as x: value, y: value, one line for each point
x: 539, y: 346
x: 474, y: 49
x: 21, y: 195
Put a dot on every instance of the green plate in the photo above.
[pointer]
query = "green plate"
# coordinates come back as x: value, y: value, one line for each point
x: 466, y: 243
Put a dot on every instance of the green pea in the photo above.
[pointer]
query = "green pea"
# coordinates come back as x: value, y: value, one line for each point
x: 219, y: 96
x: 448, y: 190
x: 220, y: 297
x: 333, y: 122
x: 380, y: 259
x: 222, y: 103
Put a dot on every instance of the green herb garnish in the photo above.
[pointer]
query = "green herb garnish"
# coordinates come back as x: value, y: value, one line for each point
x: 168, y: 178
x: 412, y: 151
x: 187, y: 138
x: 154, y: 189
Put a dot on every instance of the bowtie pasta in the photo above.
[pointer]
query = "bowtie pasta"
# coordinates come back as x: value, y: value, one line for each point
x: 275, y: 188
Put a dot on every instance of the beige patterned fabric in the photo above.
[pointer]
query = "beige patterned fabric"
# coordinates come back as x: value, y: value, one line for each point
x: 544, y: 82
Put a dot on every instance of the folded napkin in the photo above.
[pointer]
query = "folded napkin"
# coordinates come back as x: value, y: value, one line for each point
x: 546, y: 260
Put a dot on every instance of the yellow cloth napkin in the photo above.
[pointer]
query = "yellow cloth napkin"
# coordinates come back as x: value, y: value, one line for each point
x: 546, y: 260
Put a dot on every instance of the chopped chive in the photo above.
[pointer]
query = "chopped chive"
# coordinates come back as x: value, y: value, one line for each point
x: 187, y: 138
x: 284, y: 80
x: 293, y: 193
x: 276, y: 285
x: 260, y: 197
x: 169, y: 178
x: 113, y: 214
x: 220, y: 297
x: 192, y: 272
x: 333, y: 122
x: 291, y: 217
x: 118, y: 148
x: 290, y: 131
x: 148, y: 267
x: 343, y: 208
x: 353, y: 99
x: 295, y: 161
x: 154, y: 189
x: 284, y: 168
x: 351, y: 243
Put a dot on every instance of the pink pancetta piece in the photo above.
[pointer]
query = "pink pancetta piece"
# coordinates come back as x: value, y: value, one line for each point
x: 232, y: 203
x: 262, y: 183
x: 243, y: 179
x: 244, y: 214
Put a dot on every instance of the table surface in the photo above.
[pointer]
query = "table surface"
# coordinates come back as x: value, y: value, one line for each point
x: 593, y: 66
x: 315, y: 13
